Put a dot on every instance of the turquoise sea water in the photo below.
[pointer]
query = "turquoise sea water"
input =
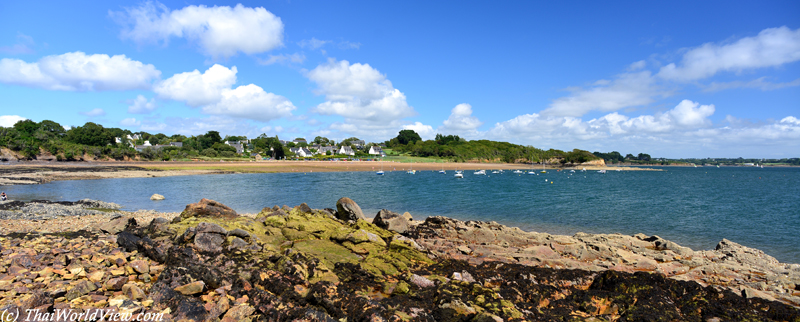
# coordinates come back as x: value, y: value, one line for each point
x: 695, y: 207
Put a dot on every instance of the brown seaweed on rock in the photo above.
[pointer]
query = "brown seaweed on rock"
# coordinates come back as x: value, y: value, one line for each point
x: 308, y: 265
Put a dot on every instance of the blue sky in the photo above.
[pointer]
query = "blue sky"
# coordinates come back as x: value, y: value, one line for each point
x: 676, y: 79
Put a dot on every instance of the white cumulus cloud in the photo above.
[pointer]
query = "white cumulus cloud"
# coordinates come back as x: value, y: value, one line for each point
x: 10, y: 120
x: 461, y: 121
x: 790, y: 120
x: 358, y: 92
x: 220, y: 31
x: 251, y: 102
x: 77, y: 71
x: 213, y: 91
x: 140, y: 105
x: 197, y: 89
x: 771, y: 47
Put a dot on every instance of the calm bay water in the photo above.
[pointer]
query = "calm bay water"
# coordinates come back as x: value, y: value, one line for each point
x: 695, y: 207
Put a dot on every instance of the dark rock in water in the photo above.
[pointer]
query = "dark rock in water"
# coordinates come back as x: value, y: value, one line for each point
x: 347, y: 209
x: 390, y: 220
x: 208, y: 208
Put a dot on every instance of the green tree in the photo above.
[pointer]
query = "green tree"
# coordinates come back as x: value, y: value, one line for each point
x: 26, y: 128
x: 89, y: 134
x: 408, y: 136
x: 277, y: 150
x: 52, y: 127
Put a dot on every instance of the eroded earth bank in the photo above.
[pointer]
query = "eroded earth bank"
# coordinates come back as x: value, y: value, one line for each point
x: 284, y: 264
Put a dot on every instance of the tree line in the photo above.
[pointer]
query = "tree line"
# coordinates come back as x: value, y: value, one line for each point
x: 457, y: 149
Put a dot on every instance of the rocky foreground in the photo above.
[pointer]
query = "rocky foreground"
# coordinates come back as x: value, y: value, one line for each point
x: 303, y: 264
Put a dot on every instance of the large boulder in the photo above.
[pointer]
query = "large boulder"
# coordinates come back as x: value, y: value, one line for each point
x: 347, y: 209
x: 208, y: 208
x: 391, y: 220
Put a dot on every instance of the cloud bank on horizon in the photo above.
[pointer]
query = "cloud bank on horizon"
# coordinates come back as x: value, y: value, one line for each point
x: 672, y: 103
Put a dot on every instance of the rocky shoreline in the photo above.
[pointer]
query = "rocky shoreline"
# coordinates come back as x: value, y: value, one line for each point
x: 296, y: 263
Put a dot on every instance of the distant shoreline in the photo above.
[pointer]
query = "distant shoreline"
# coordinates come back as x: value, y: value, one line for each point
x: 43, y: 172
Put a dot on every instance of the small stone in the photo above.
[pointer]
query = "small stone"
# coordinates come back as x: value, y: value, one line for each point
x: 156, y: 196
x: 97, y: 276
x: 238, y: 313
x: 115, y: 284
x: 146, y: 277
x: 140, y: 266
x: 132, y: 291
x: 80, y: 289
x: 191, y: 288
x: 421, y: 282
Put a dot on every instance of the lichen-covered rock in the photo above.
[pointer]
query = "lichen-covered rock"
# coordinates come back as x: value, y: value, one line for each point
x: 347, y: 209
x: 390, y: 220
x: 156, y: 196
x: 208, y: 208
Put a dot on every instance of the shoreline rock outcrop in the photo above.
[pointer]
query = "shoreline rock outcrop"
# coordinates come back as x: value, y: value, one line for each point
x: 288, y: 264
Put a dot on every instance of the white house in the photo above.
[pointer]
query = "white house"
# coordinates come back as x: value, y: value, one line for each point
x: 376, y: 150
x: 301, y: 152
x: 346, y: 150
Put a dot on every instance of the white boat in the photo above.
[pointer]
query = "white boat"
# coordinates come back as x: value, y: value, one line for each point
x: 412, y: 171
x: 380, y: 173
x: 495, y: 171
x: 601, y: 171
x: 459, y: 174
x: 518, y: 171
x: 442, y: 171
x: 480, y: 172
x: 571, y: 170
x: 584, y: 170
